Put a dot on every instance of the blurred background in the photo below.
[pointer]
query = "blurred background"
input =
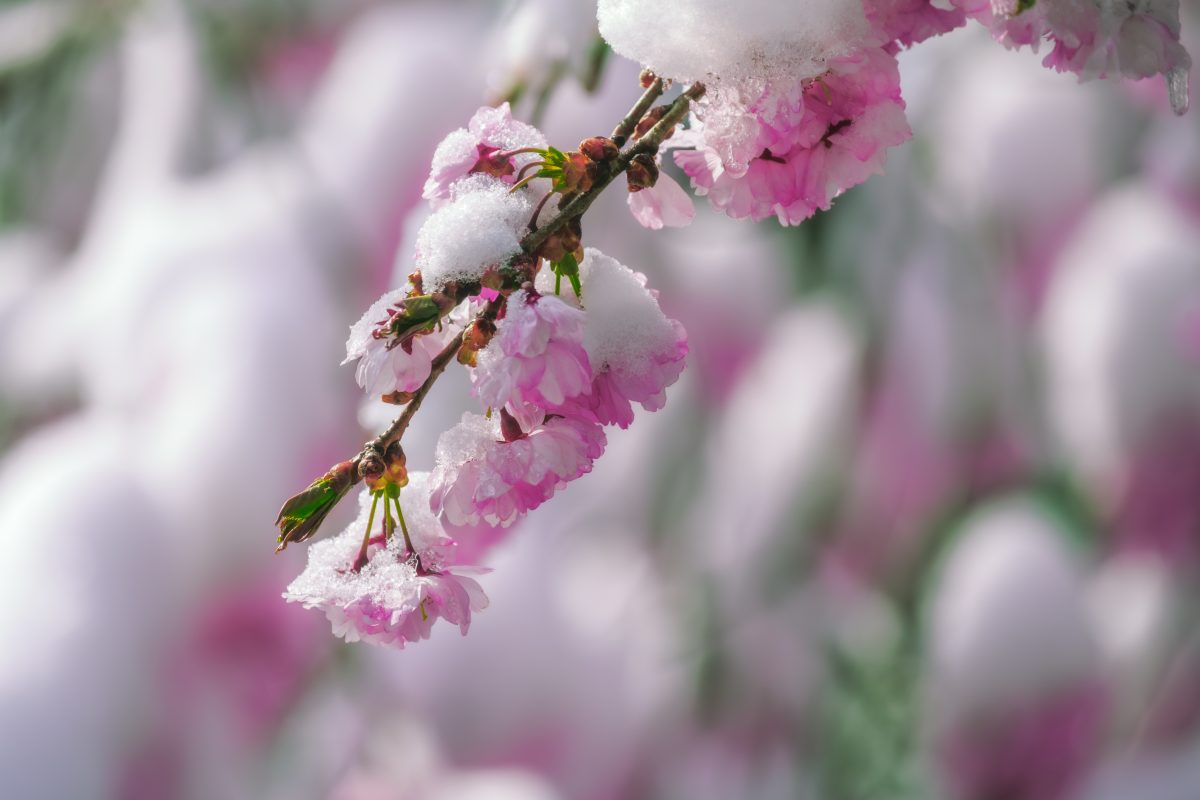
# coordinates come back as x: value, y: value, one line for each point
x: 921, y: 520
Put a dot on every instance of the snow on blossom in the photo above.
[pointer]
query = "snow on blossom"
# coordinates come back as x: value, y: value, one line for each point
x: 692, y: 40
x: 383, y: 370
x: 392, y: 599
x: 480, y: 477
x: 1097, y: 38
x: 479, y: 228
x: 536, y: 357
x: 834, y: 140
x: 477, y: 147
x: 636, y: 351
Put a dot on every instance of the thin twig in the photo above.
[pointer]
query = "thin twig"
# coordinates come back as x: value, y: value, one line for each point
x: 647, y: 144
x: 436, y: 367
x: 625, y: 127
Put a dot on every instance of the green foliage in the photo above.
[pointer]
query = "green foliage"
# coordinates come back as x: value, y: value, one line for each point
x: 37, y: 97
x: 419, y: 314
x: 868, y: 727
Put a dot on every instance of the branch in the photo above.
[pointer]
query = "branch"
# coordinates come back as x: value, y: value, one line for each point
x: 302, y: 514
x: 436, y: 367
x: 620, y: 134
x: 647, y: 144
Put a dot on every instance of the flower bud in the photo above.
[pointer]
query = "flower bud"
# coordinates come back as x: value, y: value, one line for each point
x: 599, y: 148
x: 303, y: 514
x: 642, y: 172
x: 646, y: 78
x: 475, y: 338
x: 650, y: 120
x: 578, y: 173
x: 396, y: 465
x: 371, y: 467
x: 414, y: 314
x: 567, y: 239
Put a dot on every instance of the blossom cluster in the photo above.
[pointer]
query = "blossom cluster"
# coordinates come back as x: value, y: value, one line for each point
x: 551, y: 366
x: 802, y: 107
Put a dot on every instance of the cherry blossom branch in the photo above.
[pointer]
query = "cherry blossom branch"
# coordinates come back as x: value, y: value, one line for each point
x: 436, y: 367
x: 648, y: 144
x: 625, y: 127
x: 302, y: 514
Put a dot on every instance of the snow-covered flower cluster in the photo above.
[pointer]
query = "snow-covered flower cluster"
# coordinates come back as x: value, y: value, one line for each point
x: 483, y: 147
x: 551, y: 362
x: 803, y: 104
x: 556, y: 371
x: 374, y: 589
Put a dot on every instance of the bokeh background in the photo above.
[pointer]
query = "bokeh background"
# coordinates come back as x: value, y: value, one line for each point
x: 921, y: 520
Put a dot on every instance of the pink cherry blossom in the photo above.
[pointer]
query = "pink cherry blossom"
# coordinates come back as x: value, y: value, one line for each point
x: 834, y: 140
x: 481, y: 477
x: 481, y: 147
x: 536, y: 357
x: 615, y: 389
x: 636, y: 351
x: 394, y: 598
x: 663, y: 204
x: 385, y: 367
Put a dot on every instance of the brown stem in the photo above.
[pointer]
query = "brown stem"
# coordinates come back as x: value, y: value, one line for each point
x: 436, y: 367
x: 625, y: 127
x: 647, y: 144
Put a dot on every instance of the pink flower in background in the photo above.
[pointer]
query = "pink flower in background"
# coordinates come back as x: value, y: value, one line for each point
x: 536, y: 357
x: 481, y: 477
x: 635, y: 349
x: 1097, y: 38
x: 851, y: 115
x: 480, y: 148
x: 1135, y: 39
x: 1041, y: 752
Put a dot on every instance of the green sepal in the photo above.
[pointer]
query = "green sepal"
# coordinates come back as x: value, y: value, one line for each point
x: 303, y: 514
x: 418, y: 314
x: 568, y: 267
